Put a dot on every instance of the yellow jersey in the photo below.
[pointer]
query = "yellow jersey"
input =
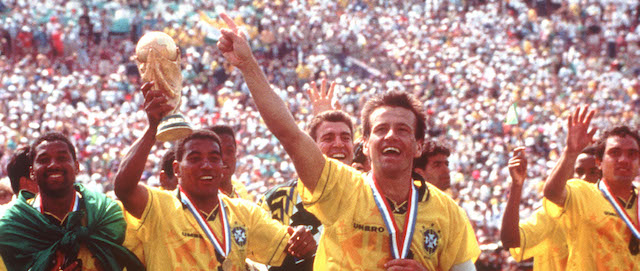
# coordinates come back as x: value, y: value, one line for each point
x: 597, y: 237
x: 355, y: 236
x: 173, y: 240
x: 542, y: 239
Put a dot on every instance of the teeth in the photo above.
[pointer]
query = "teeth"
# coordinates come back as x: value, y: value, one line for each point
x: 338, y: 156
x: 391, y: 149
x: 206, y: 178
x: 55, y: 175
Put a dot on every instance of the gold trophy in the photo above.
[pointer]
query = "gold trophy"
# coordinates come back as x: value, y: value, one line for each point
x: 158, y: 60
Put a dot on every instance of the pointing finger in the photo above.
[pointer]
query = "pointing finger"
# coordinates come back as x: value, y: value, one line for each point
x: 230, y: 23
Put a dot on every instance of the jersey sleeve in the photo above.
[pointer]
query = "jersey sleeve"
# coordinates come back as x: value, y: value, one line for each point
x: 333, y: 193
x: 268, y: 237
x: 464, y: 245
x: 574, y: 204
x: 534, y: 232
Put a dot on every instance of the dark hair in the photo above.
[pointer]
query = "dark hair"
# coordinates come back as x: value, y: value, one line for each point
x: 430, y: 149
x: 197, y: 134
x: 394, y: 99
x: 620, y: 131
x: 52, y: 136
x: 167, y: 162
x: 223, y: 129
x: 18, y: 167
x: 358, y: 153
x: 590, y: 150
x: 330, y: 116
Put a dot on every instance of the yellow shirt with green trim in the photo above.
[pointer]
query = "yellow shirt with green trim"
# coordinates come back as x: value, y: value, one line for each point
x: 240, y: 190
x: 173, y: 240
x: 544, y: 241
x: 355, y: 236
x: 597, y: 237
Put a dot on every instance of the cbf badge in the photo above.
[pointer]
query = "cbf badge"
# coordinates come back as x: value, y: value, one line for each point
x: 431, y: 239
x: 240, y: 236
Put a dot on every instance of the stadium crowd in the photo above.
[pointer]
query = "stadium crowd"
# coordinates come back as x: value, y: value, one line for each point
x: 68, y: 67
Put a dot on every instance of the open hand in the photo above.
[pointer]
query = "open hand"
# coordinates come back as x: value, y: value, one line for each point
x: 579, y: 137
x: 321, y: 101
x: 518, y: 166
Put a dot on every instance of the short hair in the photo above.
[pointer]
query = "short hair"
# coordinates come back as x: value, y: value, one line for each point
x: 167, y: 162
x: 620, y: 131
x: 430, y: 149
x: 197, y: 134
x: 18, y: 167
x: 330, y: 116
x: 358, y: 153
x: 52, y: 136
x: 395, y: 99
x: 590, y: 150
x: 223, y: 129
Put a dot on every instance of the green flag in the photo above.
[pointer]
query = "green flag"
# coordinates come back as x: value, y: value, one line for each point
x: 512, y: 115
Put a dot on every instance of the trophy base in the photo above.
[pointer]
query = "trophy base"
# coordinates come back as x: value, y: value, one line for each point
x: 173, y: 127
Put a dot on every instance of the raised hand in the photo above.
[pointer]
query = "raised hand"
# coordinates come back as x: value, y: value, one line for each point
x: 579, y: 135
x: 155, y: 104
x: 321, y: 101
x: 233, y: 44
x: 518, y: 166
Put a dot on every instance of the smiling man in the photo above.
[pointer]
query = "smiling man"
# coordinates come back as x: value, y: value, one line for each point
x: 196, y: 226
x: 333, y: 133
x: 378, y: 221
x: 64, y: 226
x: 600, y: 220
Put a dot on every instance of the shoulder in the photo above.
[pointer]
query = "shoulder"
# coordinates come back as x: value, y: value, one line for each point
x: 582, y: 186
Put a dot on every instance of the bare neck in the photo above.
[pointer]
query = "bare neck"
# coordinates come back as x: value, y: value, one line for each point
x: 396, y: 189
x: 227, y: 187
x: 58, y: 206
x: 620, y: 189
x: 205, y: 204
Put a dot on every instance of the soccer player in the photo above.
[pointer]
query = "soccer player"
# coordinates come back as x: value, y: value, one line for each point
x: 600, y: 220
x: 229, y: 186
x: 538, y: 236
x: 64, y: 226
x: 196, y: 226
x: 372, y: 222
x: 433, y: 165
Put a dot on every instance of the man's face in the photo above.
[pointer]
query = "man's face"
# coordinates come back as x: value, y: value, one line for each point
x: 335, y: 141
x: 54, y: 169
x: 200, y: 170
x: 392, y: 145
x: 436, y: 171
x: 586, y: 168
x: 228, y: 156
x: 620, y: 161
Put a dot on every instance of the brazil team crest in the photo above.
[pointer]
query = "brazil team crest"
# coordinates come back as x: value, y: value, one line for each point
x: 431, y: 239
x: 239, y: 235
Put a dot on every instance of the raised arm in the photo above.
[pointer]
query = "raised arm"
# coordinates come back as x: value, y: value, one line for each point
x: 321, y: 100
x: 132, y: 194
x: 509, y: 233
x: 306, y: 156
x: 578, y: 137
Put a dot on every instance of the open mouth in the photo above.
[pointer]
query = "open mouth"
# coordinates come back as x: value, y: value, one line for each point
x: 391, y: 151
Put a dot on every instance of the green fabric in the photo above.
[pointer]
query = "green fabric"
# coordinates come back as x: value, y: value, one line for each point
x: 28, y: 240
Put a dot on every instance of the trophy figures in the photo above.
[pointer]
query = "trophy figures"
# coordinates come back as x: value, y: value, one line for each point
x: 158, y: 60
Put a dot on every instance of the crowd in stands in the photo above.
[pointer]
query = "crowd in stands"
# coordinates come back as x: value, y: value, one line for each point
x: 68, y: 66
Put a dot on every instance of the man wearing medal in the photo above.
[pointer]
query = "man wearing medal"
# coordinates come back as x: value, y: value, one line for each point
x: 372, y: 222
x: 600, y: 220
x: 196, y: 226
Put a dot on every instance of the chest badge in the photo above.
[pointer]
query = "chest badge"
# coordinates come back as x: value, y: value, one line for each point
x: 239, y: 235
x: 431, y: 239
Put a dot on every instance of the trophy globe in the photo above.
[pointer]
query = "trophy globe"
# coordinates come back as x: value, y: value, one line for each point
x: 158, y: 60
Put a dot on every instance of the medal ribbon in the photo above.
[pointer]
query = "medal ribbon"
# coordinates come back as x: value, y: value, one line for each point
x: 223, y: 247
x: 37, y: 203
x: 399, y: 244
x: 604, y: 188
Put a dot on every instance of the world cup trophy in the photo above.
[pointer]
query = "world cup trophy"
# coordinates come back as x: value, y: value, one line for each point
x: 158, y: 60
